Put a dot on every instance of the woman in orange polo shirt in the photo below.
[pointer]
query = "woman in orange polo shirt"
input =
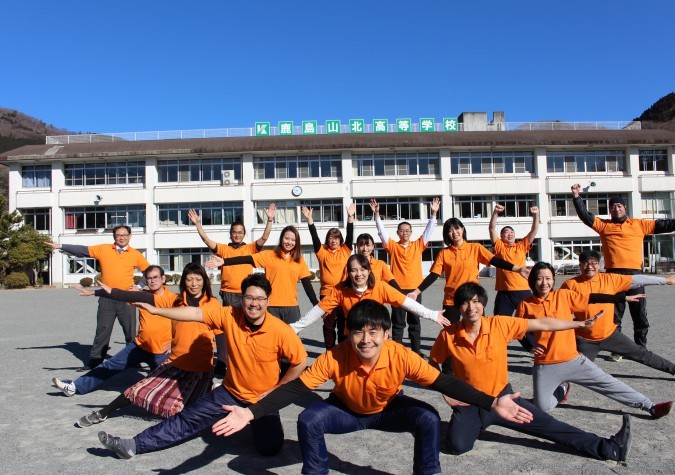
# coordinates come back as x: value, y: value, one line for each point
x: 557, y: 362
x: 365, y: 245
x: 186, y: 374
x: 361, y: 284
x: 459, y: 262
x: 284, y: 266
x: 332, y: 256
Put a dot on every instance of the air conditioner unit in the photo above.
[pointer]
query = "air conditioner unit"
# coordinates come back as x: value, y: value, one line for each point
x: 227, y: 178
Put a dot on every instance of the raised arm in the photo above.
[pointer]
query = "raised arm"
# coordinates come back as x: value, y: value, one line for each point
x: 307, y: 213
x: 349, y: 238
x: 534, y: 211
x: 384, y: 237
x: 270, y: 212
x: 309, y: 290
x: 493, y: 222
x: 196, y: 219
x: 584, y: 215
x: 431, y: 224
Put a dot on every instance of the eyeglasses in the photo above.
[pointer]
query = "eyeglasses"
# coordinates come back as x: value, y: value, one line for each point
x: 122, y: 235
x: 249, y: 298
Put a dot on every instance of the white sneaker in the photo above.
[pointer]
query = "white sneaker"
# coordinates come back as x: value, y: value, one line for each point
x: 67, y: 386
x: 616, y: 358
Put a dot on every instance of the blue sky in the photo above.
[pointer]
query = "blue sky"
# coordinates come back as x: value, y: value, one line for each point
x: 164, y: 65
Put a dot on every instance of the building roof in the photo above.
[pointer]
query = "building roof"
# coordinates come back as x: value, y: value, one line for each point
x: 328, y: 143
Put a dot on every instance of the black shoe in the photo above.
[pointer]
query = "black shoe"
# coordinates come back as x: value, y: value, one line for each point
x: 622, y: 440
x: 114, y: 444
x: 219, y: 369
x: 84, y: 368
x: 93, y: 363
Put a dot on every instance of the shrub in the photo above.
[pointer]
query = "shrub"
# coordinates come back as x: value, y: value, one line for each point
x: 98, y: 278
x: 86, y: 281
x: 175, y: 278
x: 16, y: 280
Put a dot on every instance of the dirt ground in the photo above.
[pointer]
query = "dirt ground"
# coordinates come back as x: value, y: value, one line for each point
x: 46, y: 333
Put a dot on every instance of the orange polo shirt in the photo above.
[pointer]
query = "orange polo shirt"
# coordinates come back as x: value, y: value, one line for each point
x: 347, y: 298
x: 154, y: 332
x: 559, y: 346
x: 622, y: 242
x: 406, y: 262
x: 253, y: 356
x: 283, y: 273
x: 332, y: 266
x: 192, y: 342
x: 231, y: 276
x: 600, y: 284
x: 483, y: 364
x: 368, y: 392
x: 117, y: 269
x: 460, y: 265
x: 516, y: 254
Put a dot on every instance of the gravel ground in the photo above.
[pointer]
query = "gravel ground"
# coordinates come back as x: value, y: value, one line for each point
x: 47, y: 332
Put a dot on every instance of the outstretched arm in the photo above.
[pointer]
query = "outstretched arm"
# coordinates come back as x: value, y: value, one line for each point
x: 270, y: 212
x: 217, y: 261
x: 196, y: 219
x: 493, y: 222
x: 183, y: 314
x: 555, y: 324
x: 420, y: 310
x: 534, y: 211
x: 307, y: 319
x: 75, y: 250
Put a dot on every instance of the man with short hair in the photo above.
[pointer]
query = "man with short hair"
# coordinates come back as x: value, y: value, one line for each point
x: 604, y: 335
x: 256, y: 342
x: 118, y: 263
x: 151, y: 346
x: 477, y: 349
x: 622, y: 238
x: 368, y: 370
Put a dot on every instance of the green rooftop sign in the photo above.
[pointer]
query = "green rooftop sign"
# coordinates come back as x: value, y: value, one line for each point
x: 358, y: 126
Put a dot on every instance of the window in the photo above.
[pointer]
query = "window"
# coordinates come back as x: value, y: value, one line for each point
x: 396, y: 209
x: 657, y: 205
x: 107, y: 173
x: 564, y: 251
x: 219, y: 213
x: 297, y: 166
x: 288, y: 212
x: 653, y: 160
x: 585, y: 161
x: 39, y: 218
x: 105, y: 217
x: 395, y: 164
x: 174, y: 260
x: 596, y: 203
x: 82, y: 265
x: 488, y: 162
x: 197, y: 170
x: 481, y: 206
x: 36, y: 176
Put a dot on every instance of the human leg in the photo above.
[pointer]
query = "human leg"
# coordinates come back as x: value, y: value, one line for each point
x: 105, y: 319
x: 638, y: 312
x: 126, y: 315
x: 341, y: 323
x: 465, y: 427
x: 329, y: 334
x: 546, y: 379
x: 620, y: 344
x: 128, y: 357
x: 589, y: 349
x: 268, y: 434
x: 398, y: 320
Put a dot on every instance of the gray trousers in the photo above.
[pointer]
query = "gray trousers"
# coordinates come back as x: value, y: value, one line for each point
x: 582, y: 371
x: 109, y: 311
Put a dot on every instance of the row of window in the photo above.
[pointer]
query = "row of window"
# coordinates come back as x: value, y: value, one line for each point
x: 656, y: 205
x: 330, y: 166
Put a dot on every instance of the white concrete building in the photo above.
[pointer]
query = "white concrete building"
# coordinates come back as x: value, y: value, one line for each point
x: 77, y: 188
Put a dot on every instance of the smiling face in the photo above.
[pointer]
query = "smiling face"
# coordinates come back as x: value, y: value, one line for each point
x: 544, y: 283
x: 333, y: 243
x: 456, y: 235
x: 404, y: 232
x: 358, y: 274
x: 237, y: 233
x: 508, y: 236
x: 194, y: 284
x: 155, y: 280
x: 472, y: 310
x: 367, y: 343
x: 366, y: 248
x: 617, y: 211
x: 288, y: 241
x: 589, y: 268
x: 122, y: 237
x: 254, y: 303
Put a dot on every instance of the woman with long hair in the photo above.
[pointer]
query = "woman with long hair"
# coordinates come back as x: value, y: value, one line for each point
x: 186, y: 374
x: 284, y: 266
x: 361, y: 284
x: 459, y: 262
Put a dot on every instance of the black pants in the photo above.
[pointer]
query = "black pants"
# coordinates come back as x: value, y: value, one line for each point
x: 108, y: 312
x: 638, y: 310
x: 399, y: 318
x: 620, y: 344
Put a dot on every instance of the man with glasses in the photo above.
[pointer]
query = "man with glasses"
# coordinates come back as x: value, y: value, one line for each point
x: 622, y: 237
x: 151, y: 346
x: 118, y: 263
x: 406, y: 265
x: 256, y: 341
x: 604, y: 335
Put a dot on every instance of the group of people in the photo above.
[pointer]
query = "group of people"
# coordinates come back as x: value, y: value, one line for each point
x: 265, y: 364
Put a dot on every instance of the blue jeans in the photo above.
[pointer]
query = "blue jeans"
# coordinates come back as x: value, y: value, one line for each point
x: 268, y: 434
x: 402, y: 414
x: 130, y: 356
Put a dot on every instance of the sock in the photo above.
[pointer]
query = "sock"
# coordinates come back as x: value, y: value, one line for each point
x: 118, y: 403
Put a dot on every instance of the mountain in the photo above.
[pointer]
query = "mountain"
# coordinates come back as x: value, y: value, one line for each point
x: 661, y: 115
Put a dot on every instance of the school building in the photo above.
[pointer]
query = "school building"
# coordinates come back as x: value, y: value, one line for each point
x: 78, y: 187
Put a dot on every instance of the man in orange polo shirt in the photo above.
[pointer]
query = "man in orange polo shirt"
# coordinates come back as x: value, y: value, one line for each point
x: 477, y: 349
x: 256, y: 342
x: 406, y: 265
x: 604, y: 336
x: 118, y: 262
x: 622, y: 237
x: 368, y: 370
